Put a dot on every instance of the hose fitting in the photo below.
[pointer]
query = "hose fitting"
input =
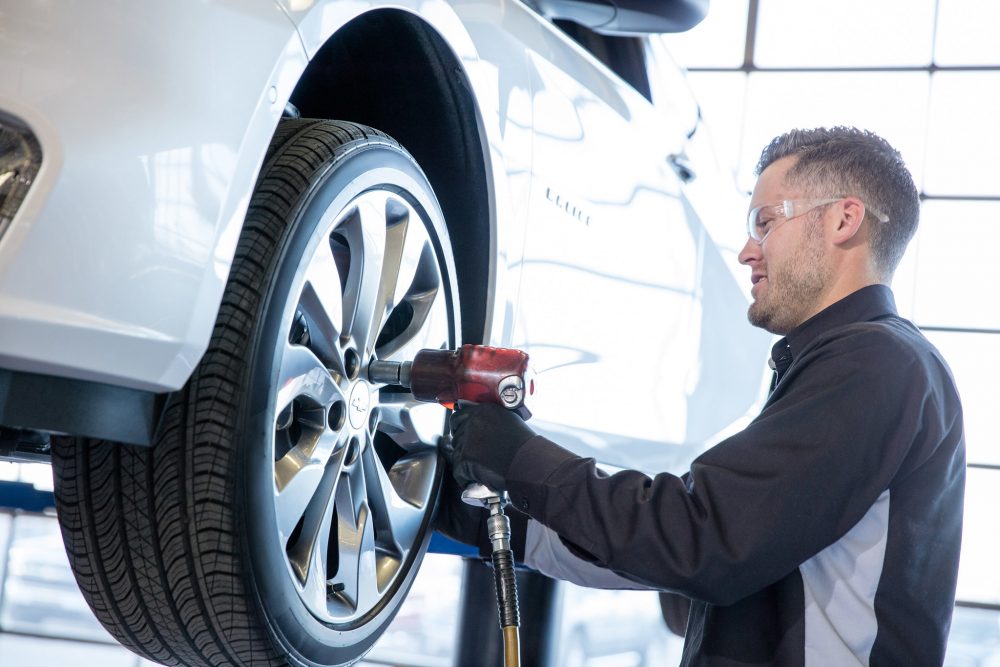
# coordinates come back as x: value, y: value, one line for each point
x: 503, y: 565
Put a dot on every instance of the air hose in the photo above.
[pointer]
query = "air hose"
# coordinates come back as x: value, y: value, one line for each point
x: 498, y: 526
x: 498, y: 529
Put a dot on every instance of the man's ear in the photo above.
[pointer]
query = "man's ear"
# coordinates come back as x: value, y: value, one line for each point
x: 852, y: 213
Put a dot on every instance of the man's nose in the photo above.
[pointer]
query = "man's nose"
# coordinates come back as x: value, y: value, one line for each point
x: 750, y: 253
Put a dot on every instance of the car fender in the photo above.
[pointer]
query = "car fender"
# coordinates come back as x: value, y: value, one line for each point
x: 482, y: 39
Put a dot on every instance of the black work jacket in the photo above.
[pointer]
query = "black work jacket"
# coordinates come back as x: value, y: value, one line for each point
x: 826, y: 532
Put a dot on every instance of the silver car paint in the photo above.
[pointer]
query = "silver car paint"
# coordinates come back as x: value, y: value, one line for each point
x: 153, y: 119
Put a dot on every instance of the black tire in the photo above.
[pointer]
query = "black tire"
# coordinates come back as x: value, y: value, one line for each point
x: 186, y: 551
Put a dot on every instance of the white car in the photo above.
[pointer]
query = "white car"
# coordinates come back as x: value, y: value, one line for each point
x: 214, y: 215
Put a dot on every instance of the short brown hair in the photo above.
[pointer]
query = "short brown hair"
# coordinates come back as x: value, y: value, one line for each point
x: 842, y: 161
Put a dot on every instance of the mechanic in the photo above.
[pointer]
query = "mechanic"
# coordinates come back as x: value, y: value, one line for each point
x: 828, y: 531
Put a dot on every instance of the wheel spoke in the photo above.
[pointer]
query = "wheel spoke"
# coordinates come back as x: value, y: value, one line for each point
x: 411, y: 424
x: 323, y: 301
x: 315, y: 522
x: 412, y: 477
x: 303, y: 374
x: 396, y: 263
x: 365, y: 232
x: 315, y: 589
x: 421, y: 306
x: 356, y: 543
x: 427, y: 329
x: 369, y: 590
x: 297, y: 477
x: 397, y: 517
x: 406, y: 244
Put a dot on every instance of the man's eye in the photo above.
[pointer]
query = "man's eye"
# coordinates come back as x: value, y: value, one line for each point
x: 764, y: 223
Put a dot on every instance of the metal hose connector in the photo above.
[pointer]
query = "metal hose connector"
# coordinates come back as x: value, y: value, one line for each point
x: 498, y: 526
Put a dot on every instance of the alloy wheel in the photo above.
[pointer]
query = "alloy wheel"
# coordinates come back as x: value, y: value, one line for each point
x: 355, y: 461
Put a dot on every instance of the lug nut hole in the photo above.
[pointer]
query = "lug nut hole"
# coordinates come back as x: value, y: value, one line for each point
x: 373, y: 419
x: 338, y: 413
x: 353, y: 449
x: 352, y: 364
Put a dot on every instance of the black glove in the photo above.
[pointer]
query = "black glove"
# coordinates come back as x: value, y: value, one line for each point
x: 466, y: 523
x: 485, y: 440
x: 455, y: 518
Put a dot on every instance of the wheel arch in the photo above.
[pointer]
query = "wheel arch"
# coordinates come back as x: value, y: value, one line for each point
x: 388, y: 60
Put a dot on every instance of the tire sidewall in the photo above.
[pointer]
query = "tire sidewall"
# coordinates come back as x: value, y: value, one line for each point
x: 298, y: 633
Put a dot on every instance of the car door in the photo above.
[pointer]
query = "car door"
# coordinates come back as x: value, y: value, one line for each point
x: 609, y: 309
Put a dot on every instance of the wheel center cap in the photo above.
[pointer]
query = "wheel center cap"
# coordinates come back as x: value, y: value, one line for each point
x: 358, y: 405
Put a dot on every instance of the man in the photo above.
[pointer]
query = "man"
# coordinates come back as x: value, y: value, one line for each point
x: 828, y: 531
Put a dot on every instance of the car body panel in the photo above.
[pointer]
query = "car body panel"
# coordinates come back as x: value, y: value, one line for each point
x: 635, y: 364
x: 114, y: 267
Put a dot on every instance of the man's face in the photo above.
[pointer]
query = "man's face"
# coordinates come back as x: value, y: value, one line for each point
x: 790, y: 270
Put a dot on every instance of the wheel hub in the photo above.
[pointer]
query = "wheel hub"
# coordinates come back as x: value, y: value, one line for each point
x: 359, y: 404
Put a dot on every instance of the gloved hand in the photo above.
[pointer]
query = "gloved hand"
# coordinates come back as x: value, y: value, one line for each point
x: 485, y: 440
x: 466, y: 523
x: 455, y: 518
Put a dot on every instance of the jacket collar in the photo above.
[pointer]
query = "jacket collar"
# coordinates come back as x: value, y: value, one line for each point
x: 866, y: 304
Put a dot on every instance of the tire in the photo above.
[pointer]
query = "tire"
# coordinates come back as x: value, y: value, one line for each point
x: 284, y: 510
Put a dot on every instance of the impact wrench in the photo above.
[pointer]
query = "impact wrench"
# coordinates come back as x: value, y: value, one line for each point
x: 481, y: 375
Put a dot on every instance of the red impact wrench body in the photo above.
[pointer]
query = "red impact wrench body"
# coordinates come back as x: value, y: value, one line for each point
x: 478, y: 374
x: 473, y: 373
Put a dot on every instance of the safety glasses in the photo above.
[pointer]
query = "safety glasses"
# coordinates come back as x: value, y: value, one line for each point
x: 763, y: 220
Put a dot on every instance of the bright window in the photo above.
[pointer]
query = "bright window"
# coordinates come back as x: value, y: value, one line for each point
x: 715, y: 42
x: 890, y: 104
x: 957, y: 272
x: 845, y: 33
x: 979, y: 577
x: 976, y: 366
x: 963, y: 142
x: 967, y: 33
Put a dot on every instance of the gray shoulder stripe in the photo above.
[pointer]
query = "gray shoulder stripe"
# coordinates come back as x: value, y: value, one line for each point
x: 545, y: 552
x: 839, y: 585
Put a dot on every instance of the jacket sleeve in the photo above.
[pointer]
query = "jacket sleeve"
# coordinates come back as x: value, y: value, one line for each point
x: 756, y: 506
x: 546, y: 552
